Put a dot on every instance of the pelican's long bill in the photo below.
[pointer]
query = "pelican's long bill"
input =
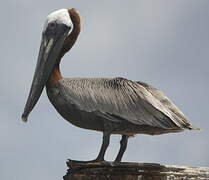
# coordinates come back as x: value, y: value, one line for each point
x: 52, y: 41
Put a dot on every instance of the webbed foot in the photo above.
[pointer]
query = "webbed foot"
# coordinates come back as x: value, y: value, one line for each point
x: 82, y: 162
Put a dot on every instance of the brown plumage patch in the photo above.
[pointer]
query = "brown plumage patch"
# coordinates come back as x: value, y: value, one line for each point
x: 55, y: 76
x: 71, y: 39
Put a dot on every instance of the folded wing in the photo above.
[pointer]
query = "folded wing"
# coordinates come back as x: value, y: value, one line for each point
x: 121, y: 99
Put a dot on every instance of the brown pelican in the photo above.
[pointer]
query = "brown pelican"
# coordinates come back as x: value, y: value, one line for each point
x: 109, y: 105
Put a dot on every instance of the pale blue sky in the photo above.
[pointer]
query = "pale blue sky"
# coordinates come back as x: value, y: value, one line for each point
x: 164, y: 43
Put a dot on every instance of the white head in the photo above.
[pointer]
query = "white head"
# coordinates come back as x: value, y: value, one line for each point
x: 60, y: 16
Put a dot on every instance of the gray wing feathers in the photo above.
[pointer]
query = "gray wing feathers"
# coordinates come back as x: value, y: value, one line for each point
x: 167, y: 106
x: 120, y: 99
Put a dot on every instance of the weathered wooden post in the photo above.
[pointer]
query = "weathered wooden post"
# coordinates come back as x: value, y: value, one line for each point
x: 133, y: 171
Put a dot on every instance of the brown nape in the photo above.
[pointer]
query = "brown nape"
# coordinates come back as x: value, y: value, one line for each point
x: 71, y: 39
x: 68, y: 44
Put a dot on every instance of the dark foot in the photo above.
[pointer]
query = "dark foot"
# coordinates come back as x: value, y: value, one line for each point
x: 85, y: 162
x: 117, y: 160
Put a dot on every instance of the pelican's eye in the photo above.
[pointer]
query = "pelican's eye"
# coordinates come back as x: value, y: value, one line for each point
x: 52, y: 25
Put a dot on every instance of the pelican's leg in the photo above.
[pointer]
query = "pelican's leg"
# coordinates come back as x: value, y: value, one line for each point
x: 100, y: 157
x: 123, y: 145
x: 105, y: 144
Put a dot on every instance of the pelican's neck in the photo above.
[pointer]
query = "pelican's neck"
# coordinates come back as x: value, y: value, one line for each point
x: 55, y: 76
x: 68, y: 44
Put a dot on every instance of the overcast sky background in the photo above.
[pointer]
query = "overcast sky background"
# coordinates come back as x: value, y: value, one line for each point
x: 162, y: 42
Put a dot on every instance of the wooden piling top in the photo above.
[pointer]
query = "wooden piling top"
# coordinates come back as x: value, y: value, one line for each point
x: 133, y: 171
